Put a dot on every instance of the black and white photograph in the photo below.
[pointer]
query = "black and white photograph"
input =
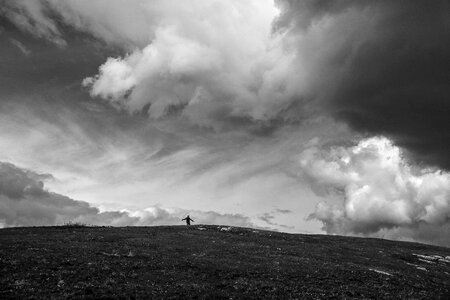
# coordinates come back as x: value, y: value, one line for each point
x: 224, y: 149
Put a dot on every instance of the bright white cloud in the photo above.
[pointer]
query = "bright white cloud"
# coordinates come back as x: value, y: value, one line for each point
x: 219, y: 57
x: 381, y: 193
x: 115, y: 80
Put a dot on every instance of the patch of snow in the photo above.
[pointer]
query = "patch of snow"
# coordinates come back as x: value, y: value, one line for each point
x: 201, y: 228
x: 225, y: 229
x: 418, y: 267
x: 381, y: 272
x: 427, y: 261
x: 433, y: 258
x: 423, y: 256
x: 199, y: 255
x: 445, y: 259
x: 114, y: 253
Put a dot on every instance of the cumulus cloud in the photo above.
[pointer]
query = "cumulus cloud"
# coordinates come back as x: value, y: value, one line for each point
x: 380, y: 193
x: 25, y: 202
x: 215, y: 60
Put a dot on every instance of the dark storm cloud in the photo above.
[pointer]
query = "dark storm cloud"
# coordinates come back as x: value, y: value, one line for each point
x: 390, y: 70
x: 24, y: 201
x: 300, y: 15
x: 42, y: 66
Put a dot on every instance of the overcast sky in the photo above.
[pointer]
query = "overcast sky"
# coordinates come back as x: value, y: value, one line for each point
x: 309, y: 116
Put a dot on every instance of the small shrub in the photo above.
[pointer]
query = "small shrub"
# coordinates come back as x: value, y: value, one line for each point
x: 74, y: 225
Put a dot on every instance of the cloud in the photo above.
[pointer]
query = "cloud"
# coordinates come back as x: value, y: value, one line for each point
x: 267, y: 218
x: 115, y: 165
x: 21, y: 47
x: 214, y: 64
x: 169, y: 216
x: 126, y: 24
x: 25, y: 202
x: 230, y: 66
x: 31, y: 16
x: 378, y: 192
x: 218, y: 63
x: 381, y: 66
x: 283, y: 211
x: 248, y: 64
x: 271, y: 219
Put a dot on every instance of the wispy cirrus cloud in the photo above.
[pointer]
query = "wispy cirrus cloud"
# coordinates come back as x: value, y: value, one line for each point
x: 20, y: 46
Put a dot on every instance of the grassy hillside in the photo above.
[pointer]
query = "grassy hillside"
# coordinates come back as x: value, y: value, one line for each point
x: 214, y: 262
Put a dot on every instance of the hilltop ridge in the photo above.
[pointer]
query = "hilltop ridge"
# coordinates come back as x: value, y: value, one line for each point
x: 210, y: 261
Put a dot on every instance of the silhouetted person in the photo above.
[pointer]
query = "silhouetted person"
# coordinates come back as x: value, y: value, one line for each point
x: 188, y: 220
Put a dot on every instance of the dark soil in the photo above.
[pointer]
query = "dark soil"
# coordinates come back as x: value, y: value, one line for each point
x: 214, y: 262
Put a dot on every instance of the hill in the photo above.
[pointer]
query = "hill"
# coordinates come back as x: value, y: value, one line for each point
x: 214, y: 262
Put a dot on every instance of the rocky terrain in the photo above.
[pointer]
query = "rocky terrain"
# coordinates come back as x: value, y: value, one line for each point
x: 214, y: 262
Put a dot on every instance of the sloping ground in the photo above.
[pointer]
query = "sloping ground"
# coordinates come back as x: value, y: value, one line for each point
x: 214, y: 262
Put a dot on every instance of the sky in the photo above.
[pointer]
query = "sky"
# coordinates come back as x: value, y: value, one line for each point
x: 308, y: 116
